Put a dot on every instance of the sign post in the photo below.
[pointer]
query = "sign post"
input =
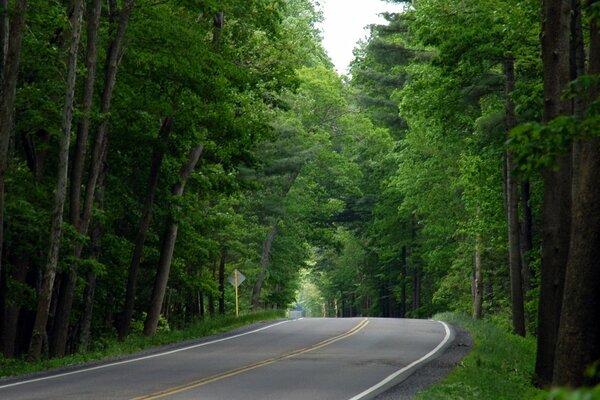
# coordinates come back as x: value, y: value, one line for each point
x: 236, y: 280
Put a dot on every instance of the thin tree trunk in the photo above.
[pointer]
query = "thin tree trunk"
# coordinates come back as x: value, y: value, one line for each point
x: 477, y: 280
x: 526, y: 235
x: 11, y: 313
x: 61, y: 187
x: 267, y: 245
x: 201, y: 305
x: 264, y: 265
x: 512, y: 200
x: 8, y: 91
x: 93, y: 23
x: 211, y: 297
x: 403, y: 269
x: 416, y: 288
x: 578, y: 344
x: 91, y: 278
x: 556, y: 209
x: 100, y: 147
x: 222, y: 281
x: 166, y: 253
x: 157, y: 157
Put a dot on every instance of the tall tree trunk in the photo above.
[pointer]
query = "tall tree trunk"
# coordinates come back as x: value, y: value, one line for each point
x: 81, y: 143
x: 61, y: 187
x: 264, y: 266
x: 416, y: 288
x: 267, y: 245
x: 526, y: 235
x: 91, y: 278
x: 222, y: 281
x: 4, y: 34
x: 477, y: 280
x: 403, y: 283
x: 8, y: 91
x: 168, y: 245
x: 157, y: 157
x: 61, y: 326
x: 578, y: 344
x: 512, y: 202
x: 556, y: 208
x: 11, y: 312
x: 211, y: 296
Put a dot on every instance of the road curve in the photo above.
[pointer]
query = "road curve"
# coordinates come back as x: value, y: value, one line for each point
x: 314, y: 358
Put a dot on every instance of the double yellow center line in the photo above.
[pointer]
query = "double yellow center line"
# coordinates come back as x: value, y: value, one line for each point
x: 259, y: 364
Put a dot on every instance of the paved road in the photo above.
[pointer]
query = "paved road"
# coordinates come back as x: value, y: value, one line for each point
x: 315, y: 358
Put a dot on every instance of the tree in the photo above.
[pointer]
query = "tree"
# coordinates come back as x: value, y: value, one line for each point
x: 60, y: 193
x: 11, y: 36
x: 578, y: 341
x: 168, y: 245
x: 556, y: 214
x: 157, y: 157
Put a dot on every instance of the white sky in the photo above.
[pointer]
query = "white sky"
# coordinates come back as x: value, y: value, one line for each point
x: 344, y: 25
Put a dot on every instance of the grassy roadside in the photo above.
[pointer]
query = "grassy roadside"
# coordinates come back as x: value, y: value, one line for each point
x: 112, y: 348
x: 500, y: 365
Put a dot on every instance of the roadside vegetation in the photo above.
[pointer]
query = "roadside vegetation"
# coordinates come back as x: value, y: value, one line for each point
x: 150, y: 149
x: 500, y: 366
x: 109, y: 348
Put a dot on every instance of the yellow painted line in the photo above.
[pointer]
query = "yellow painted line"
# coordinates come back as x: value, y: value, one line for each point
x: 259, y: 364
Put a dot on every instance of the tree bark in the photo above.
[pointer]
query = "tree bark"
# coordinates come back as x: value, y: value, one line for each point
x: 526, y: 235
x: 416, y: 288
x: 222, y: 281
x: 166, y: 253
x: 91, y: 278
x: 157, y: 157
x: 512, y: 202
x: 100, y: 147
x: 61, y: 187
x: 477, y: 280
x: 8, y: 91
x: 556, y: 208
x: 578, y: 344
x: 403, y: 283
x: 4, y: 26
x: 11, y: 312
x: 264, y: 266
x: 81, y: 143
x: 211, y: 296
x: 267, y: 245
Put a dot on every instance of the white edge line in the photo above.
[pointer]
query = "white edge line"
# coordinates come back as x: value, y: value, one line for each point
x: 140, y: 358
x: 408, y: 367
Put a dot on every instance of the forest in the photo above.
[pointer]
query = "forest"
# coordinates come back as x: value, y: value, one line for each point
x: 150, y: 148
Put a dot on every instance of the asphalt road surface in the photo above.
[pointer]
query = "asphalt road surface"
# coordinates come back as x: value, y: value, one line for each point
x: 305, y: 359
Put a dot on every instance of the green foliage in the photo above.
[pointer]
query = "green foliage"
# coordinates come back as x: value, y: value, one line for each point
x: 499, y: 366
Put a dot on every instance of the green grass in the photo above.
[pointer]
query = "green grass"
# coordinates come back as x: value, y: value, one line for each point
x: 110, y: 348
x: 500, y: 366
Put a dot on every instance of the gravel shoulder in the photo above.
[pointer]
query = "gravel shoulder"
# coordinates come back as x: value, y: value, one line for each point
x: 434, y: 371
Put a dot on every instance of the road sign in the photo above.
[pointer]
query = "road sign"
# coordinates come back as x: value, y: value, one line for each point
x: 236, y: 280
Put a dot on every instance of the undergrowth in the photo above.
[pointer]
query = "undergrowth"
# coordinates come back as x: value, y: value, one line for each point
x: 500, y: 366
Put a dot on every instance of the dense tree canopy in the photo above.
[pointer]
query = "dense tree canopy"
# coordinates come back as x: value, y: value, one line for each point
x: 148, y: 149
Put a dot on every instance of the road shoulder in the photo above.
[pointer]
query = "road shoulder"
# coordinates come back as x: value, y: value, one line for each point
x: 434, y: 371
